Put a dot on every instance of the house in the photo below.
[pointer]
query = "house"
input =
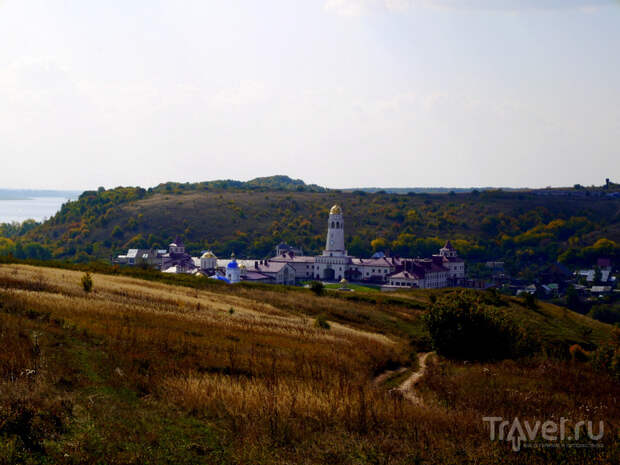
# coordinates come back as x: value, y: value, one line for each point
x: 590, y: 275
x: 303, y: 265
x: 450, y: 260
x: 406, y: 279
x: 176, y: 259
x: 261, y: 271
x: 137, y: 257
x: 283, y: 248
x: 600, y: 290
x: 371, y: 269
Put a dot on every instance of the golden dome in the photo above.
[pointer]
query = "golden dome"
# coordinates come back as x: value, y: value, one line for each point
x: 344, y: 281
x: 336, y: 210
x: 208, y: 254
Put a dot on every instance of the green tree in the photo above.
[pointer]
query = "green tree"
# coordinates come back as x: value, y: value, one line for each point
x: 317, y: 287
x: 461, y: 327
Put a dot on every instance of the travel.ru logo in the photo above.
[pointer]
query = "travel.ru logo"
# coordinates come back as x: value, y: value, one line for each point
x: 523, y: 433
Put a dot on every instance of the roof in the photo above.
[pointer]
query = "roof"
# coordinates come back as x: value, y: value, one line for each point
x: 385, y: 261
x: 255, y: 276
x: 450, y: 259
x: 600, y: 289
x: 591, y: 274
x: 261, y: 266
x: 406, y: 275
x: 429, y: 266
x: 232, y: 264
x: 448, y: 246
x: 208, y: 254
x: 292, y: 258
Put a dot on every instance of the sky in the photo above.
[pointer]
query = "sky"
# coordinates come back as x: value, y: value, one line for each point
x: 341, y: 93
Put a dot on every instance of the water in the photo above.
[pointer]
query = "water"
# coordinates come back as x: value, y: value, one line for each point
x: 36, y: 208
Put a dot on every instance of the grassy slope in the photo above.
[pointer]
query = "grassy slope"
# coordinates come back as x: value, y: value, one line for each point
x: 552, y: 324
x: 141, y: 371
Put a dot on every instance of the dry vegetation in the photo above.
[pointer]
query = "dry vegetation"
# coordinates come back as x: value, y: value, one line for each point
x: 143, y: 372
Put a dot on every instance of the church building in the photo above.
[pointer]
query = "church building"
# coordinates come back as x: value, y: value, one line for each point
x: 334, y: 263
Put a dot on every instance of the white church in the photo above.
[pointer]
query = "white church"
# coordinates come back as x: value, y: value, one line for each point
x: 334, y: 265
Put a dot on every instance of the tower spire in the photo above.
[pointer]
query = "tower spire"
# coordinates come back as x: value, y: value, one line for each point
x: 334, y: 244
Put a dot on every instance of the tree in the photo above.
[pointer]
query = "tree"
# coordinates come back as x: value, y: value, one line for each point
x: 87, y: 282
x: 321, y: 322
x: 378, y: 244
x: 529, y: 300
x: 317, y: 287
x: 461, y: 327
x: 117, y: 232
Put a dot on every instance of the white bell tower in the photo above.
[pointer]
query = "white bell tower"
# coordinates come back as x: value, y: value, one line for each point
x: 334, y: 246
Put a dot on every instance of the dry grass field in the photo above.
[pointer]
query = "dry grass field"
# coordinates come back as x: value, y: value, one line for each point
x: 143, y: 372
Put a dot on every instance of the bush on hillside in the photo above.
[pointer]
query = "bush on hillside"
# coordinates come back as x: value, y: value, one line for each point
x: 605, y: 313
x: 321, y: 322
x: 462, y: 327
x: 87, y: 282
x: 317, y: 287
x: 529, y: 300
x: 607, y: 359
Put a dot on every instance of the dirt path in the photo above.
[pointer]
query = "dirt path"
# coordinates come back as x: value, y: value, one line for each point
x: 407, y: 388
x: 382, y: 378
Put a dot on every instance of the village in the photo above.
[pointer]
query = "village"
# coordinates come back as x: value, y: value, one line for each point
x: 289, y: 266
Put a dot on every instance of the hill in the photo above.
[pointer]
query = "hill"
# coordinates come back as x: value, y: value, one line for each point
x: 528, y: 230
x: 142, y: 371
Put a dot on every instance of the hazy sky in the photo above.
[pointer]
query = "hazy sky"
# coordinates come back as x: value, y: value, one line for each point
x: 337, y: 92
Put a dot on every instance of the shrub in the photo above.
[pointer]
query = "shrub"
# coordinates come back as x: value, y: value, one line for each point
x: 607, y: 358
x: 529, y: 300
x: 605, y: 313
x: 87, y: 282
x: 461, y: 327
x: 317, y: 287
x: 321, y: 322
x: 578, y: 354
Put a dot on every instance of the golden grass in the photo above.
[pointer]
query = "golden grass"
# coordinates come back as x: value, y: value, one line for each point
x: 274, y: 387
